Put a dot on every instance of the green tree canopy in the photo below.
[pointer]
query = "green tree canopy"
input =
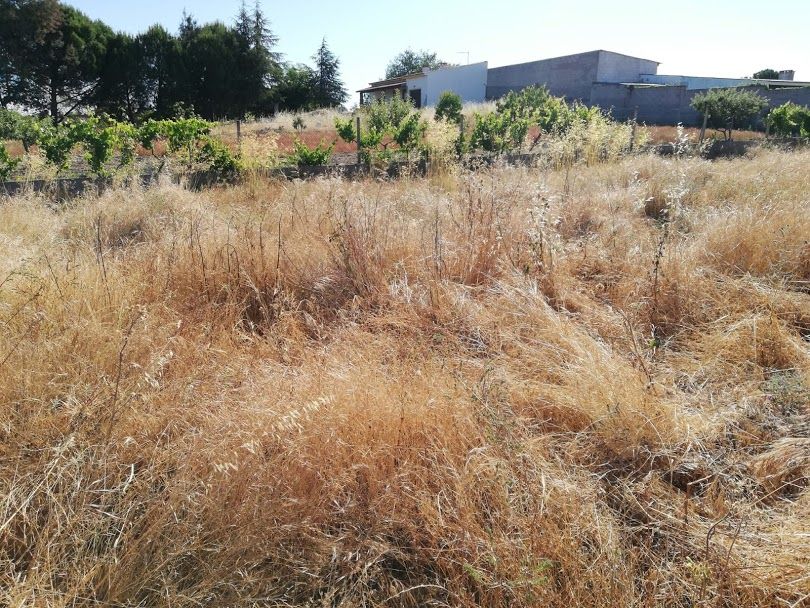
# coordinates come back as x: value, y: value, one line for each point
x: 55, y: 54
x: 767, y: 73
x: 449, y: 107
x: 409, y: 61
x: 55, y: 60
x: 294, y: 90
x: 328, y: 88
x: 729, y: 109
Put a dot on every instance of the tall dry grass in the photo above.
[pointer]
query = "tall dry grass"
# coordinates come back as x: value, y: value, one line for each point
x: 504, y: 388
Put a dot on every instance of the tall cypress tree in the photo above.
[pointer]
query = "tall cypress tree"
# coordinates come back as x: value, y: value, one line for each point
x: 328, y: 88
x: 257, y: 62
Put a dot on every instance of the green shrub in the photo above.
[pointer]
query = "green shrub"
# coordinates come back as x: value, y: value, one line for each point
x: 219, y: 159
x: 306, y: 156
x: 7, y: 163
x: 16, y: 126
x: 409, y: 133
x: 345, y: 129
x: 183, y: 135
x: 99, y: 142
x: 149, y: 132
x: 57, y: 142
x: 790, y: 120
x: 386, y: 121
x: 449, y: 107
x: 490, y: 133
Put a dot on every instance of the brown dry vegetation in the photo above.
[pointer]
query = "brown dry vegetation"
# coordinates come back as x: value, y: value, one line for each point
x: 471, y: 389
x: 663, y: 134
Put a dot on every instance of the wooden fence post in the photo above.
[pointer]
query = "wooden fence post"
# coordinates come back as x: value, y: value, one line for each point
x: 703, y: 128
x: 359, y: 144
x: 633, y: 128
x: 239, y: 135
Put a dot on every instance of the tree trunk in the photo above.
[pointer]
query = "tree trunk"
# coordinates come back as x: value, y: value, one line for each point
x: 54, y: 101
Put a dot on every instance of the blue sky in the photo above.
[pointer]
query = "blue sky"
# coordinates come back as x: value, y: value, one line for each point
x: 704, y: 38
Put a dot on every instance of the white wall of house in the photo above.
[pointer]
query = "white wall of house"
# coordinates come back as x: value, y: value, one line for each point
x: 468, y: 81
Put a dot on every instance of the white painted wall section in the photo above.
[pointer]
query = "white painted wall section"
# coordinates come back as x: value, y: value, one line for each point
x: 468, y: 81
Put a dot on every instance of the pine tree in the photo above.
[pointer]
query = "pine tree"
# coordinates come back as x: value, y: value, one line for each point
x: 244, y: 24
x: 328, y: 88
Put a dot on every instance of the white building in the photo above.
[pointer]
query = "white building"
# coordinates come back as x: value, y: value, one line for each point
x: 425, y: 87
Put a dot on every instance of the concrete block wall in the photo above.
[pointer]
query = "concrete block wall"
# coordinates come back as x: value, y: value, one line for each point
x: 570, y: 76
x: 669, y: 105
x: 616, y: 67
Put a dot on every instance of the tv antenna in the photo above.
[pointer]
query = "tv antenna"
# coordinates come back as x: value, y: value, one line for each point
x: 465, y: 53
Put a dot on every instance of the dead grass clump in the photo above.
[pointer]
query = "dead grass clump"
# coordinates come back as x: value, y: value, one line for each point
x: 769, y: 242
x: 784, y: 470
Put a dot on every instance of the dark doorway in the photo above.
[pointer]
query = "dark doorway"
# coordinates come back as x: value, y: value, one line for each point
x: 416, y: 97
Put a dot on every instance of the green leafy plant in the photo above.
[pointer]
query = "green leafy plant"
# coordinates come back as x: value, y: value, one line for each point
x: 409, y: 133
x: 182, y: 135
x: 386, y: 122
x: 7, y: 163
x: 729, y: 109
x: 149, y: 132
x: 449, y: 107
x: 306, y: 156
x: 219, y: 159
x: 99, y: 142
x: 57, y: 142
x: 490, y: 133
x: 127, y: 136
x: 790, y: 120
x: 345, y: 129
x: 16, y: 126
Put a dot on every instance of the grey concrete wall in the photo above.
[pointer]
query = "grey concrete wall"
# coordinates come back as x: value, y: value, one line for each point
x: 670, y: 105
x: 777, y: 97
x: 656, y: 105
x: 570, y: 76
x: 615, y: 67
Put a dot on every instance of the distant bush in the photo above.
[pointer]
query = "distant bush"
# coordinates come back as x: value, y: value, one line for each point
x: 790, y: 120
x: 104, y: 139
x: 57, y: 142
x: 520, y: 111
x: 767, y: 73
x: 449, y: 107
x: 386, y: 121
x: 493, y: 133
x: 7, y: 163
x: 16, y: 126
x: 729, y: 109
x: 219, y: 159
x: 306, y: 156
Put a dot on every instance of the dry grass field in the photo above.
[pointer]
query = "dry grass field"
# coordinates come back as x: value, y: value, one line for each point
x: 585, y: 387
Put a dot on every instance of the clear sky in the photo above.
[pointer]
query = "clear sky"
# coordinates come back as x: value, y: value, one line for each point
x: 696, y: 37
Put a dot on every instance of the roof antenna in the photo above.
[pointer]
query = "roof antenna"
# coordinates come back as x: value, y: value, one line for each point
x: 465, y: 53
